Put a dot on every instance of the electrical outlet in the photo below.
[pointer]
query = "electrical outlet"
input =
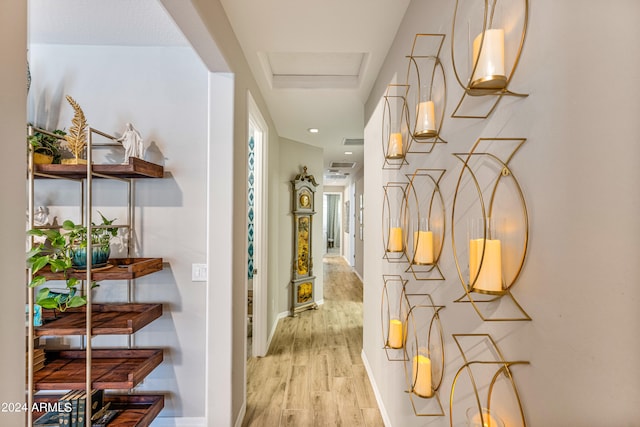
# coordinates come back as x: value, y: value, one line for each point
x: 198, y: 272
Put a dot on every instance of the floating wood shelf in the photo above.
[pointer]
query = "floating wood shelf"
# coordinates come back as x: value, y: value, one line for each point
x: 138, y: 410
x: 107, y: 319
x: 111, y: 368
x: 118, y: 269
x: 136, y: 168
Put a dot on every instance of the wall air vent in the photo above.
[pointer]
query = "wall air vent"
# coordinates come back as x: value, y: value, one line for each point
x: 353, y: 141
x: 349, y: 165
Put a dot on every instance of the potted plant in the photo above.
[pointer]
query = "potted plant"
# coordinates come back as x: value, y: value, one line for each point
x: 65, y: 253
x: 46, y: 146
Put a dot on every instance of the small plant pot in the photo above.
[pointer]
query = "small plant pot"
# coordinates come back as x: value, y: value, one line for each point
x: 42, y: 159
x: 98, y: 259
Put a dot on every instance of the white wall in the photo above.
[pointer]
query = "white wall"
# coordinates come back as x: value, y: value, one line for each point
x: 294, y: 156
x: 163, y: 92
x: 13, y: 41
x: 579, y: 174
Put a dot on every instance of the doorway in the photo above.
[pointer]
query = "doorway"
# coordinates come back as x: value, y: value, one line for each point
x: 256, y: 285
x: 332, y: 223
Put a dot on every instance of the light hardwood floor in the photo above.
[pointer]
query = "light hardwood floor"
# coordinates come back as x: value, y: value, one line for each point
x: 313, y: 374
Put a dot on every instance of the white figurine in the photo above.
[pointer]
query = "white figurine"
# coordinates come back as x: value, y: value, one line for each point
x: 132, y: 143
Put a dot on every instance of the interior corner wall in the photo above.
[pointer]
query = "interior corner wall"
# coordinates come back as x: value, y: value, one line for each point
x: 13, y: 44
x: 163, y: 93
x: 579, y: 174
x: 293, y: 157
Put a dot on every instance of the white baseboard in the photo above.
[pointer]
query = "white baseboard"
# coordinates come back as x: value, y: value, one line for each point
x: 179, y: 422
x: 242, y: 413
x: 274, y: 326
x: 376, y: 391
x: 358, y: 274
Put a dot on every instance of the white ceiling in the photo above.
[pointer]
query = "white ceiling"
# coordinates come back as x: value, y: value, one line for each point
x: 315, y: 62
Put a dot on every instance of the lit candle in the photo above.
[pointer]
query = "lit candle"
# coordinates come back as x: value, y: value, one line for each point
x: 395, y: 146
x: 486, y: 420
x: 395, y: 333
x: 423, y: 245
x: 395, y: 240
x: 422, y: 376
x: 490, y: 276
x: 490, y: 66
x: 425, y: 120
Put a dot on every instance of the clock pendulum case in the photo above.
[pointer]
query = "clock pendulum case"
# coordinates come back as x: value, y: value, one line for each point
x: 303, y: 209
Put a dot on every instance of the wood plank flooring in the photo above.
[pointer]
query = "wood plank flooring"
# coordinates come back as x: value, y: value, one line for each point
x: 313, y: 374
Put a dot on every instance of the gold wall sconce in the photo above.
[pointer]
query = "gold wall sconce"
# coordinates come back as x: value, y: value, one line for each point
x: 427, y: 92
x: 426, y: 225
x: 487, y: 41
x: 394, y: 307
x: 424, y: 357
x: 394, y: 221
x: 490, y: 255
x: 490, y: 377
x: 395, y: 126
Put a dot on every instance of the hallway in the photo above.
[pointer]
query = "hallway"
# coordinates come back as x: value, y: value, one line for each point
x: 313, y: 374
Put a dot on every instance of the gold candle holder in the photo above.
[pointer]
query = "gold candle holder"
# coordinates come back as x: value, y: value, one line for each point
x: 394, y: 307
x: 395, y: 215
x: 395, y: 127
x: 427, y: 92
x: 487, y: 38
x: 494, y: 255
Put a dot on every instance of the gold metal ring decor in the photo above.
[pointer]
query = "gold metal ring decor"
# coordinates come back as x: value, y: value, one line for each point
x: 395, y: 215
x: 426, y: 225
x: 427, y: 92
x: 489, y: 374
x: 486, y: 44
x: 424, y: 357
x: 395, y: 126
x: 394, y: 307
x: 490, y: 256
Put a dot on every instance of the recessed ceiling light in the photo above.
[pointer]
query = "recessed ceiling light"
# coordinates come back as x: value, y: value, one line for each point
x: 313, y: 130
x: 348, y: 152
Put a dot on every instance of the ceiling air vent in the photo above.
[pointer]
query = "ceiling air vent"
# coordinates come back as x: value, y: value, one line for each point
x: 353, y: 141
x: 342, y: 164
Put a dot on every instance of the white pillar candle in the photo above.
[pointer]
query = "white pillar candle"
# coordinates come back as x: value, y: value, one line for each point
x: 486, y: 420
x: 423, y: 246
x: 422, y: 376
x: 395, y: 240
x: 490, y: 65
x: 395, y: 333
x: 490, y: 276
x: 395, y: 146
x: 425, y: 120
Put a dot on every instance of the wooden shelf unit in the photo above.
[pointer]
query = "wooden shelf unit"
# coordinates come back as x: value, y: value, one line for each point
x: 108, y: 319
x: 118, y: 269
x: 111, y: 368
x: 138, y: 410
x: 136, y: 168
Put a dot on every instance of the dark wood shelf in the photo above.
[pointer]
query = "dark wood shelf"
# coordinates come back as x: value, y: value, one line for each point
x: 138, y: 410
x: 118, y: 269
x: 111, y: 368
x: 107, y: 319
x: 136, y: 168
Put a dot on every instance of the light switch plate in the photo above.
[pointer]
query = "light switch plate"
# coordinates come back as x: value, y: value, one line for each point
x: 198, y: 272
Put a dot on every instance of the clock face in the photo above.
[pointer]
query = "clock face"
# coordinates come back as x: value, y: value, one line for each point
x: 305, y: 200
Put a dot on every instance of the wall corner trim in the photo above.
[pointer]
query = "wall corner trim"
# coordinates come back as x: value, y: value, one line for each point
x: 376, y: 392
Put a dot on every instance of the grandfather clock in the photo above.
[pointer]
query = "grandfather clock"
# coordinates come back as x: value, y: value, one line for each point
x: 303, y: 209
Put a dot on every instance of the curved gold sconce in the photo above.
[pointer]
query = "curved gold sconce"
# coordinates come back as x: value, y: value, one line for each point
x: 426, y: 225
x: 495, y: 255
x: 394, y: 307
x: 395, y: 126
x: 395, y: 215
x: 486, y: 367
x: 424, y: 358
x: 486, y: 44
x: 427, y: 92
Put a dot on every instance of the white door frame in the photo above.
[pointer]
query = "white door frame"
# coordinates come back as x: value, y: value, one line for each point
x: 340, y: 214
x: 258, y: 126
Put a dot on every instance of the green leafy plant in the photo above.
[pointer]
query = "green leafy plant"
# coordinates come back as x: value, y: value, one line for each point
x: 48, y: 143
x: 58, y: 252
